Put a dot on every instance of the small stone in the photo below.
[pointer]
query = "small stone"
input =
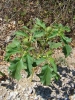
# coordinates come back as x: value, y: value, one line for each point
x: 53, y: 94
x: 2, y: 81
x: 35, y: 84
x: 7, y: 39
x: 71, y: 73
x: 30, y: 90
x: 7, y: 81
x: 0, y: 19
x: 19, y: 87
x: 64, y: 72
x: 72, y: 85
x: 15, y: 86
x: 36, y: 98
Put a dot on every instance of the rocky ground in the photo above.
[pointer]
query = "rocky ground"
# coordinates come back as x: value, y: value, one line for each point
x: 63, y: 89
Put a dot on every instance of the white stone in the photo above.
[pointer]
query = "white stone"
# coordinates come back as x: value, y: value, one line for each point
x: 7, y: 39
x: 2, y: 81
x: 0, y: 19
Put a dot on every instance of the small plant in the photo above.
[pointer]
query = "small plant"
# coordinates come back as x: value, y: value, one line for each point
x: 34, y: 47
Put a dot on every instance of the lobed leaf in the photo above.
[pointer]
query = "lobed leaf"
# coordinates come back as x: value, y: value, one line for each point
x: 40, y: 23
x: 15, y: 69
x: 45, y: 75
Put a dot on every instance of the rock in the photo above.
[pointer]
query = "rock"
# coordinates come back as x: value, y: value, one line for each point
x: 7, y: 39
x: 0, y: 18
x: 30, y: 90
x: 2, y: 81
x: 53, y: 94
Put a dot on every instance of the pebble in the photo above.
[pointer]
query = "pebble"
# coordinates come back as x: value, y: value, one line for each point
x: 30, y: 90
x: 2, y: 81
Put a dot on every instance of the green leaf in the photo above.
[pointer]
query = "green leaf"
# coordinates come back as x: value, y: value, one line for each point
x: 52, y: 62
x: 54, y: 45
x: 29, y: 61
x: 45, y: 75
x: 40, y: 23
x: 12, y: 48
x: 55, y: 75
x: 40, y: 60
x: 15, y: 68
x: 20, y: 33
x: 38, y: 33
x: 67, y: 29
x: 15, y: 43
x: 66, y: 39
x: 67, y: 50
x: 53, y: 34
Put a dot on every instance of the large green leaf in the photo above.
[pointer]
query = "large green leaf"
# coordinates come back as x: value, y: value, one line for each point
x: 15, y: 68
x: 45, y: 75
x: 29, y: 61
x: 67, y: 50
x: 54, y: 45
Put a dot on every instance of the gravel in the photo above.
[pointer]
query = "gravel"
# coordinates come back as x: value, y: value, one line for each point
x: 63, y: 89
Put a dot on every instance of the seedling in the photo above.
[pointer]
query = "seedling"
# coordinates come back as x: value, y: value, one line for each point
x: 34, y: 47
